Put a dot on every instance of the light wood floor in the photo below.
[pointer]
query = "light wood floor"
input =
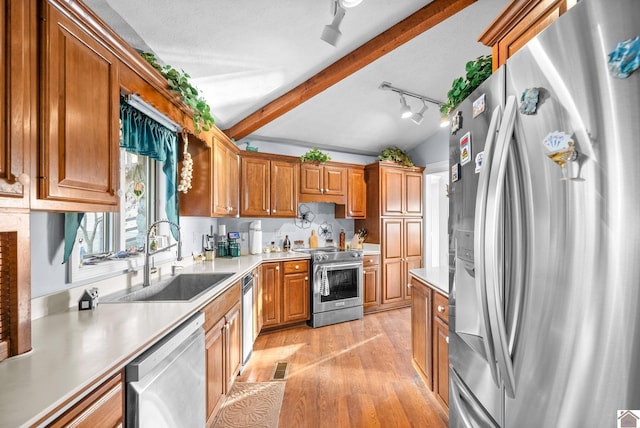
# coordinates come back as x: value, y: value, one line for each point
x: 354, y: 374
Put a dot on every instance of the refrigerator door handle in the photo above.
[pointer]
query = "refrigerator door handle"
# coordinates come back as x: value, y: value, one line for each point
x: 492, y: 244
x: 479, y: 239
x: 465, y: 406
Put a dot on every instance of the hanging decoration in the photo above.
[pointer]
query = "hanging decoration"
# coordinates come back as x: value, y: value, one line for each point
x: 186, y: 175
x: 305, y: 217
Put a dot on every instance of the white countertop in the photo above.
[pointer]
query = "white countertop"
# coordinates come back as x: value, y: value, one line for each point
x: 73, y: 349
x: 437, y: 278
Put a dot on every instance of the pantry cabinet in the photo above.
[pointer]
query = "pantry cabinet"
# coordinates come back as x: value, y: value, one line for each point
x: 79, y: 117
x: 402, y: 251
x: 285, y: 293
x: 223, y: 347
x: 323, y: 183
x: 269, y: 187
x: 401, y: 192
x: 519, y: 22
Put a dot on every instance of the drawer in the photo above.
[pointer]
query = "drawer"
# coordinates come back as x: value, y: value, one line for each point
x: 372, y: 259
x: 441, y: 307
x: 296, y: 266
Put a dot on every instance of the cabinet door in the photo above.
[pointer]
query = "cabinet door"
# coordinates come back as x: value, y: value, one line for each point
x: 356, y: 194
x: 413, y: 194
x: 233, y: 183
x: 295, y: 297
x: 104, y: 407
x: 334, y: 180
x: 219, y: 179
x: 311, y: 179
x: 15, y: 95
x: 270, y: 294
x: 441, y: 361
x: 233, y: 345
x: 256, y: 182
x: 215, y: 373
x: 393, y: 261
x: 412, y: 249
x: 284, y: 189
x: 421, y: 330
x: 80, y: 111
x: 392, y: 192
x: 371, y: 286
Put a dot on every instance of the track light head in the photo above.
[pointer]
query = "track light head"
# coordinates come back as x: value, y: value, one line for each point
x: 405, y: 110
x: 418, y: 117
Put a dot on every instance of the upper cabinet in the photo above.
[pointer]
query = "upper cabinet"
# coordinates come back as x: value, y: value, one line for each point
x: 269, y: 186
x: 323, y: 183
x: 215, y: 184
x: 518, y: 23
x: 400, y: 192
x: 16, y: 92
x: 78, y: 156
x: 356, y: 206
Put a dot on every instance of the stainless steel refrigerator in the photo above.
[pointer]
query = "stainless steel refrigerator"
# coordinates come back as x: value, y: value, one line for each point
x: 545, y: 232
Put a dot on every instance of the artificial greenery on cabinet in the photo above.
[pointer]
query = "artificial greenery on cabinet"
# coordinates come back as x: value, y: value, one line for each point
x: 394, y: 154
x: 315, y: 156
x: 179, y: 82
x: 477, y: 71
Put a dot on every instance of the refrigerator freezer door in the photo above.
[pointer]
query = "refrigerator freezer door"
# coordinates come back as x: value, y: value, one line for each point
x: 576, y: 352
x: 470, y: 350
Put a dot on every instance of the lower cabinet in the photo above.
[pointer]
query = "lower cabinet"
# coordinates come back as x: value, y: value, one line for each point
x: 430, y: 338
x: 285, y: 293
x: 223, y: 347
x: 371, y: 281
x: 103, y: 407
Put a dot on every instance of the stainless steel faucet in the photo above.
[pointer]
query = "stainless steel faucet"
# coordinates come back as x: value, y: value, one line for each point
x: 148, y: 253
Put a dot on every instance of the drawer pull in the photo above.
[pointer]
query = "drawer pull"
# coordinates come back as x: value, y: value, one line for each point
x: 440, y: 308
x: 297, y: 267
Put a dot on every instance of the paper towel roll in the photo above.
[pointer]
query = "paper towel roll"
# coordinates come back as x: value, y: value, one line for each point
x: 222, y: 230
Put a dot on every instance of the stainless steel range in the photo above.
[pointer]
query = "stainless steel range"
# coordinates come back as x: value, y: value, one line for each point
x: 336, y: 288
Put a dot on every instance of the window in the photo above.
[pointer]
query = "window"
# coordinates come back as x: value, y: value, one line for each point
x: 109, y: 244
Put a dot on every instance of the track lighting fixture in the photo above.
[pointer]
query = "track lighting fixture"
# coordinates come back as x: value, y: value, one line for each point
x: 405, y: 110
x: 331, y: 33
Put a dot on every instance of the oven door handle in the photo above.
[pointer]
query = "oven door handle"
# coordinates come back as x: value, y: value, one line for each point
x: 332, y: 266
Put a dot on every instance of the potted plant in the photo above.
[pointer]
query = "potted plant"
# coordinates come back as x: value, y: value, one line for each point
x: 394, y: 154
x: 478, y: 71
x: 315, y: 156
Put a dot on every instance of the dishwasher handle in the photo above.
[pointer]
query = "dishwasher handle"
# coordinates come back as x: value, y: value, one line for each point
x: 147, y: 361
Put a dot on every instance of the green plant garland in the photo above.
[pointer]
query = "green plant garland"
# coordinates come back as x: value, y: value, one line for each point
x: 179, y: 82
x: 478, y: 71
x: 315, y: 155
x: 394, y: 154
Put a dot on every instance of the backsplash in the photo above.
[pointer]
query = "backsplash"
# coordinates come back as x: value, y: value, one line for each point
x: 275, y: 229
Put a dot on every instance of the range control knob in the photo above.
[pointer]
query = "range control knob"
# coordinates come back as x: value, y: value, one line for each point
x: 356, y: 254
x: 325, y: 257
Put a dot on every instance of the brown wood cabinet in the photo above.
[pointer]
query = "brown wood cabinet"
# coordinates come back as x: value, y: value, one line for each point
x: 394, y: 220
x: 223, y: 347
x: 285, y: 293
x: 79, y: 117
x: 216, y: 175
x: 371, y: 281
x: 269, y: 187
x: 430, y: 338
x: 103, y: 407
x: 441, y: 348
x: 519, y: 22
x: 16, y: 91
x: 257, y: 303
x: 356, y: 206
x: 323, y: 183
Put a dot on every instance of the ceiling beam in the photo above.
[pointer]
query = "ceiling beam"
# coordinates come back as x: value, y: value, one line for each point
x: 414, y: 25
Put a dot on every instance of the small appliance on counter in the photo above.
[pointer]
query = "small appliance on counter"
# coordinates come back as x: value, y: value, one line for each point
x: 234, y: 245
x: 222, y: 240
x: 255, y: 237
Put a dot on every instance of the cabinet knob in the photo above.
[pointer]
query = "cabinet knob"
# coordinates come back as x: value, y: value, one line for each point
x: 440, y: 308
x: 370, y: 260
x: 267, y: 211
x: 350, y: 212
x: 273, y: 212
x: 409, y: 285
x: 277, y: 267
x: 306, y: 278
x: 297, y: 267
x: 447, y: 339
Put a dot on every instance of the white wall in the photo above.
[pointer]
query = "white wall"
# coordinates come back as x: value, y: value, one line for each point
x: 433, y: 150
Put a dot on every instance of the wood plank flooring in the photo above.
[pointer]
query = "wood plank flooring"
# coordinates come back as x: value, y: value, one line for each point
x: 353, y: 374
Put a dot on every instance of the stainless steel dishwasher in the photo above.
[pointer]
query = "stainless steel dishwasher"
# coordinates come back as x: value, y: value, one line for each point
x: 166, y: 384
x: 247, y: 318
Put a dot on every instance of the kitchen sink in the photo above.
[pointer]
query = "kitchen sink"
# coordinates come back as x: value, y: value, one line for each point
x: 182, y: 288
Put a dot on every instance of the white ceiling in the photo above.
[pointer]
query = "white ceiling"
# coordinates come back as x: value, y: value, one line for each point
x: 243, y: 54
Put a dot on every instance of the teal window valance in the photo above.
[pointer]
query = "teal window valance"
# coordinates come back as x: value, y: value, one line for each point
x: 144, y: 136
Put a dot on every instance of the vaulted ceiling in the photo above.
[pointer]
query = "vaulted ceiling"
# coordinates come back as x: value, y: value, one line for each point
x: 268, y: 76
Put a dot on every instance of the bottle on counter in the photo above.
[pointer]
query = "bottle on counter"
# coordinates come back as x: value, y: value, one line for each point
x: 286, y: 244
x: 313, y: 239
x: 342, y: 239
